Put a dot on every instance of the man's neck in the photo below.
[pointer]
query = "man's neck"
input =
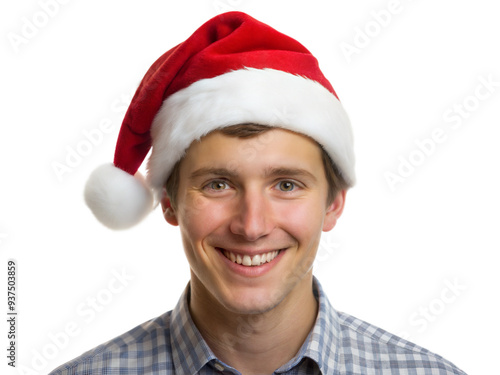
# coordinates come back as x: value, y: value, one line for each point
x: 256, y: 343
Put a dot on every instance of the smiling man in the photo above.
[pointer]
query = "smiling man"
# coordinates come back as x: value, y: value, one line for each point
x: 252, y: 155
x: 250, y: 234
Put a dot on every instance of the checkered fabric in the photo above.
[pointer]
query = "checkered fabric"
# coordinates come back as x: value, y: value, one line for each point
x: 338, y: 344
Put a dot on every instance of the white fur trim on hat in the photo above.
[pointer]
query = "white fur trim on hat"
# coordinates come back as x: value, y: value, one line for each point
x: 117, y: 199
x: 260, y: 96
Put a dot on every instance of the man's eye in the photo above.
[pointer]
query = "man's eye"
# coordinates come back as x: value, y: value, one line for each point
x: 217, y: 185
x: 285, y: 186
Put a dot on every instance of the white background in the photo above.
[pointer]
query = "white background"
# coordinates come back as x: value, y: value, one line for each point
x: 394, y: 253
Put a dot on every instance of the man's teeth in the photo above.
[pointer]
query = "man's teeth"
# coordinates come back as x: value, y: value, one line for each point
x: 246, y: 260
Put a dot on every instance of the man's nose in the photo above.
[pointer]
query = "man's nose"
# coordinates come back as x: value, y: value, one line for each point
x: 253, y: 216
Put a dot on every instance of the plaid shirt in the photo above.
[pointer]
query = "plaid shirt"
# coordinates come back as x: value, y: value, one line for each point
x: 338, y: 344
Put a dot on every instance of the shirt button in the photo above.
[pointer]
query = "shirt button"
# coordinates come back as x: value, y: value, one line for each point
x: 219, y: 367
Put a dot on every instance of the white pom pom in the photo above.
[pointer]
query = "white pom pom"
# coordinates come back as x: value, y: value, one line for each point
x: 116, y: 198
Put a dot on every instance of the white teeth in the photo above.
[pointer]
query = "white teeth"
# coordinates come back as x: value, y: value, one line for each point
x: 246, y: 260
x: 256, y: 260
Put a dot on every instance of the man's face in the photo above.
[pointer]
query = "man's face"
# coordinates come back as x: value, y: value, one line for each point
x: 251, y: 212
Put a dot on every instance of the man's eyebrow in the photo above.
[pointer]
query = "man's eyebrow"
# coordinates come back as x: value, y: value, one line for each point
x: 291, y: 172
x: 269, y: 172
x: 208, y: 171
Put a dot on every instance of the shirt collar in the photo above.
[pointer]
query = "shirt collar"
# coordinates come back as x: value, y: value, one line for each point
x: 190, y: 352
x: 323, y: 342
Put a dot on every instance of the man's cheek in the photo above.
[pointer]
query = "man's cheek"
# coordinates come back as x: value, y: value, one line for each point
x: 299, y: 215
x: 193, y: 209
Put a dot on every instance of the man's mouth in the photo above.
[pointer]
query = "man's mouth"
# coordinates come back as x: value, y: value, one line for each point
x: 250, y: 261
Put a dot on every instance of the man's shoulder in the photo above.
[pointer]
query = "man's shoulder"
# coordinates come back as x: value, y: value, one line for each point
x: 364, y: 344
x: 146, y: 345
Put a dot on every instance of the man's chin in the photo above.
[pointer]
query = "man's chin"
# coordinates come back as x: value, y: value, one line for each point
x: 253, y: 304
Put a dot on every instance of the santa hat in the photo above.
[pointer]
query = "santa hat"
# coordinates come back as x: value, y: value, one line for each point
x: 232, y: 70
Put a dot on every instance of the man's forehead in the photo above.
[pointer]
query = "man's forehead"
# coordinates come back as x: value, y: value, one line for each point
x: 255, y: 142
x: 275, y: 151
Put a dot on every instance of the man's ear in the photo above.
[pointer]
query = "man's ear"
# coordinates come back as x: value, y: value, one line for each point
x: 334, y: 211
x: 168, y: 211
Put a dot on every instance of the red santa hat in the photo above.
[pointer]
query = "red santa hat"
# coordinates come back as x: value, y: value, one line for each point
x: 232, y: 70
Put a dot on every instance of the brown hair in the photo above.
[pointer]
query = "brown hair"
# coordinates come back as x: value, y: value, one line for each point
x: 333, y: 176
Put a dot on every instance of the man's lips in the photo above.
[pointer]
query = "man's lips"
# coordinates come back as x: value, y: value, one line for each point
x: 249, y: 260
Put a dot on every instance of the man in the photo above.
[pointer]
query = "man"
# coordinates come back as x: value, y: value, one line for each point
x: 251, y: 157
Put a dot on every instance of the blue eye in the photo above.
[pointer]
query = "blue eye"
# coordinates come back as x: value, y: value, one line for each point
x: 286, y: 186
